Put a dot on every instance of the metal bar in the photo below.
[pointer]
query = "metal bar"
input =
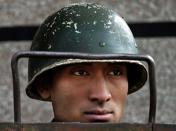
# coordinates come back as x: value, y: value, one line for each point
x: 139, y: 29
x: 42, y: 54
x: 152, y: 84
x: 85, y: 127
x: 69, y: 126
x: 16, y: 89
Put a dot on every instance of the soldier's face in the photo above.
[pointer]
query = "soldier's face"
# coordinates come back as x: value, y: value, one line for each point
x: 90, y: 92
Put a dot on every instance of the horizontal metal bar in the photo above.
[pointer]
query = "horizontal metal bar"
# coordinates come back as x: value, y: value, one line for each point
x: 86, y: 127
x: 46, y: 54
x: 76, y: 127
x: 139, y: 29
x: 40, y: 54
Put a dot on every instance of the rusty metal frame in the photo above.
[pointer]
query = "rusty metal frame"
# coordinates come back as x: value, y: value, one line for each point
x: 42, y: 54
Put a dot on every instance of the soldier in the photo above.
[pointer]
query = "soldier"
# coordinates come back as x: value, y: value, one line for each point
x: 85, y: 90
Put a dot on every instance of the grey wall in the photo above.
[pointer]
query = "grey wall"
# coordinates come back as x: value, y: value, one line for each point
x: 28, y: 12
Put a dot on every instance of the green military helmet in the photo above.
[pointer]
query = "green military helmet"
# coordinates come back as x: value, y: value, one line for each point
x: 84, y: 28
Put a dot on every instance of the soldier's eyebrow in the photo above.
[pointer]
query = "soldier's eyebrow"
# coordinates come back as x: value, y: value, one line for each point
x: 82, y: 64
x: 91, y: 63
x: 116, y: 64
x: 76, y: 65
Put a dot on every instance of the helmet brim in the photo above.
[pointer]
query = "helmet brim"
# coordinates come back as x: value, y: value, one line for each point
x: 136, y: 70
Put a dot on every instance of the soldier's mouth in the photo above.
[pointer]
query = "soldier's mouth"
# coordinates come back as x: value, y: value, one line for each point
x: 98, y: 115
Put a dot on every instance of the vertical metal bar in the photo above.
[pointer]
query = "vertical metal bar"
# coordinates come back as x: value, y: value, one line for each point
x: 152, y: 85
x: 16, y: 89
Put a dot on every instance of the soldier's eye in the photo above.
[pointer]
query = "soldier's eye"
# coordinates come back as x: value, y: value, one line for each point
x: 80, y: 73
x: 115, y: 72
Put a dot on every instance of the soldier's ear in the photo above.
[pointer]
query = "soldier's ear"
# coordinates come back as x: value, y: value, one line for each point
x: 44, y: 92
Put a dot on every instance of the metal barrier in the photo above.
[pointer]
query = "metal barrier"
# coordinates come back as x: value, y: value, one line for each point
x: 85, y: 127
x: 38, y: 54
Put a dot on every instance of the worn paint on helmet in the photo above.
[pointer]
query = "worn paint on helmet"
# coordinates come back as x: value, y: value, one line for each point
x: 81, y: 28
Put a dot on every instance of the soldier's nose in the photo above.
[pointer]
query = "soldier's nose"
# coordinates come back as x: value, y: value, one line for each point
x: 100, y: 91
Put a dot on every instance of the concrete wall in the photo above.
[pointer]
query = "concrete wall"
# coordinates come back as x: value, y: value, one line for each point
x: 29, y: 12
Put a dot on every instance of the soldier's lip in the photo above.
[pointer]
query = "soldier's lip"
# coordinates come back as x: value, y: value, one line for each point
x: 98, y: 115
